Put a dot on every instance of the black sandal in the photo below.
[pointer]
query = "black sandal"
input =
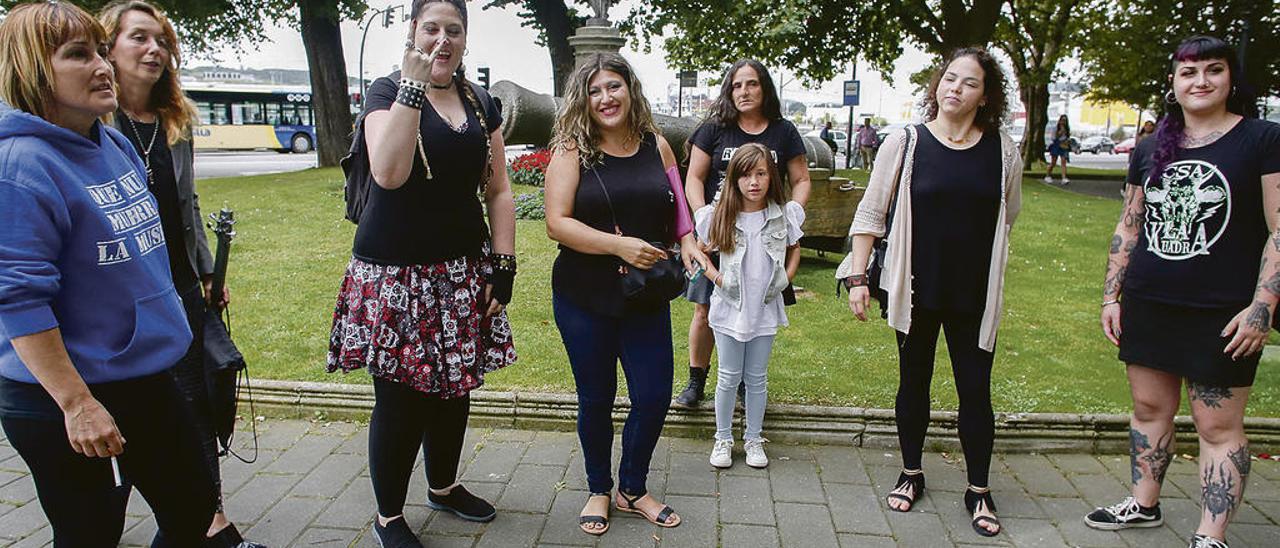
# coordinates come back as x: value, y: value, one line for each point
x: 584, y: 520
x: 971, y: 500
x: 667, y: 517
x: 916, y: 481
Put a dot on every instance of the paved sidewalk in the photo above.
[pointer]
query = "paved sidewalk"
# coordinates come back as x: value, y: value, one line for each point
x: 310, y: 488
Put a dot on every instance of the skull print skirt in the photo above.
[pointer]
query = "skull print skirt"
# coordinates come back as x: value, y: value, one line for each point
x: 421, y: 325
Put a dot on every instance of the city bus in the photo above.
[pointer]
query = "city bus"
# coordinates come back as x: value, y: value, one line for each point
x: 235, y: 116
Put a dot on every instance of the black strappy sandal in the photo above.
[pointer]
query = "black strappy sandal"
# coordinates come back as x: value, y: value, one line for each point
x: 971, y: 500
x: 916, y: 481
x: 666, y: 517
x: 584, y: 520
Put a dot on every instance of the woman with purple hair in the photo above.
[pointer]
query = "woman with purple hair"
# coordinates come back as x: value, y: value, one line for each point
x: 1184, y: 287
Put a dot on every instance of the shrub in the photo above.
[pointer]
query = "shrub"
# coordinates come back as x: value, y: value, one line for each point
x: 530, y: 206
x: 530, y: 169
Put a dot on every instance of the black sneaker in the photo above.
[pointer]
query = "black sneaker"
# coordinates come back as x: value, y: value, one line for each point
x: 1123, y: 515
x: 395, y: 535
x: 463, y: 504
x: 1205, y: 541
x: 229, y: 537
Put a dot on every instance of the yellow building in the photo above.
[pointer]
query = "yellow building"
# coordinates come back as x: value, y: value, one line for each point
x: 1098, y: 113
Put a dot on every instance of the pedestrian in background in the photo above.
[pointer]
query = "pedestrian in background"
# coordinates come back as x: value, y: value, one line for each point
x: 1059, y: 148
x: 1148, y: 128
x: 1184, y: 297
x: 746, y: 111
x: 422, y: 305
x: 612, y: 206
x: 868, y: 142
x: 90, y: 322
x: 951, y: 190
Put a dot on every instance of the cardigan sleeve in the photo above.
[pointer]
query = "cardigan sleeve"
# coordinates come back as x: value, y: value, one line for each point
x: 1013, y: 198
x: 874, y: 207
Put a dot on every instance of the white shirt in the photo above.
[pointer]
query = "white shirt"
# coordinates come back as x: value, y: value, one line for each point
x: 755, y: 318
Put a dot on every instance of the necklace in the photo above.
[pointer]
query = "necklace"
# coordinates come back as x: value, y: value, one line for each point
x: 438, y: 86
x: 146, y: 150
x: 964, y: 138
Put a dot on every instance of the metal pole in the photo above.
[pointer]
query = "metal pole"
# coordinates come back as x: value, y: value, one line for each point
x: 364, y: 35
x: 848, y: 134
x: 679, y: 97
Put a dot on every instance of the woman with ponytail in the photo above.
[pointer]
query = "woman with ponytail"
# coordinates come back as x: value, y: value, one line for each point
x: 1184, y: 295
x: 423, y: 302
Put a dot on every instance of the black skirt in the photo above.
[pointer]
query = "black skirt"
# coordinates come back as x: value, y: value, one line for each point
x: 1182, y: 340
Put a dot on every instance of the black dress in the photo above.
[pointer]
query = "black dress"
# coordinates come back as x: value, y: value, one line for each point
x: 1195, y: 265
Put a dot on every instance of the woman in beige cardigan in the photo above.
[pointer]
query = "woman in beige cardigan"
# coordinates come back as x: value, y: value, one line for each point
x: 953, y: 184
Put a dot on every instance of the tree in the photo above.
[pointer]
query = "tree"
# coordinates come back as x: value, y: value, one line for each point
x: 555, y: 22
x: 813, y: 38
x: 1130, y: 42
x: 319, y: 21
x: 1036, y: 34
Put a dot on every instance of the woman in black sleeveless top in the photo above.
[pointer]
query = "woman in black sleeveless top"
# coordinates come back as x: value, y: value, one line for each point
x: 609, y: 163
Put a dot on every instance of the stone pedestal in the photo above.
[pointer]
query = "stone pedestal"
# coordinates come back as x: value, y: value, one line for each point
x: 595, y: 39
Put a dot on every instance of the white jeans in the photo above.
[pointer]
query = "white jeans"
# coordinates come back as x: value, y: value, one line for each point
x: 742, y: 362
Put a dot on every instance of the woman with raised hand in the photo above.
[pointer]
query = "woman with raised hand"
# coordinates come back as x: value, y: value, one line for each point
x: 611, y: 207
x: 1184, y: 297
x: 747, y: 111
x: 944, y: 194
x: 156, y: 117
x: 90, y: 322
x: 422, y: 305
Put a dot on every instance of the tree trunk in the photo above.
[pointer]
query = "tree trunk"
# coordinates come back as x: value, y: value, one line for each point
x: 322, y: 38
x: 557, y: 28
x: 1035, y: 99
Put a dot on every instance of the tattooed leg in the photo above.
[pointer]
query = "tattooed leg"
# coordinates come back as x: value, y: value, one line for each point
x: 1156, y: 397
x: 1224, y: 454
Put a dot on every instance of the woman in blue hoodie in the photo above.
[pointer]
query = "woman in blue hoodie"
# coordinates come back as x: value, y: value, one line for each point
x: 89, y: 318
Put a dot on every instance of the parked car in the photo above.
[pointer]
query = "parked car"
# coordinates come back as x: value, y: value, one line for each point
x: 838, y: 134
x: 1125, y: 146
x: 886, y: 130
x: 1097, y: 144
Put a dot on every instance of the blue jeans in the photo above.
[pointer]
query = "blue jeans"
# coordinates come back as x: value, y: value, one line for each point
x: 742, y: 363
x: 595, y: 344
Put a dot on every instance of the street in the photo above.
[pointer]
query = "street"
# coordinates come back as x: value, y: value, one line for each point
x: 235, y: 164
x: 1100, y: 161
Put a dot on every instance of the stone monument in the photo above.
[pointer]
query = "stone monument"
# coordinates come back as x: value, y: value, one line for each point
x: 598, y: 35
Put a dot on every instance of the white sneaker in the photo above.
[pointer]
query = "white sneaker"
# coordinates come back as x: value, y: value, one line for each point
x: 755, y: 453
x: 722, y: 454
x: 1065, y: 181
x: 1048, y: 180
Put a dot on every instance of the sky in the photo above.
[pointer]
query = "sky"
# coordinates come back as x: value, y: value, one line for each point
x: 497, y: 40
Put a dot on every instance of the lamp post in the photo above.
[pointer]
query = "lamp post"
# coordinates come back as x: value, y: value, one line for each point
x: 386, y: 14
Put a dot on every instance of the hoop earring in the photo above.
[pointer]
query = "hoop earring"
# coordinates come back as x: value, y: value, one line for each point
x: 1169, y: 98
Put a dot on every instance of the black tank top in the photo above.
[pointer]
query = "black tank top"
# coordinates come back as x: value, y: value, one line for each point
x: 644, y: 207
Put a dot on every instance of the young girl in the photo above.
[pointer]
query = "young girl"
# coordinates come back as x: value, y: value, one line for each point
x: 758, y: 239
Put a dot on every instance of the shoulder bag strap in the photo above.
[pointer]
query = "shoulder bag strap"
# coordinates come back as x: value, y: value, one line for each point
x: 616, y: 228
x: 897, y: 183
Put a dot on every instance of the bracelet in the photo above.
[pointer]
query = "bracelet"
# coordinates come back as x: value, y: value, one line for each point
x: 503, y: 262
x: 411, y: 83
x: 855, y: 280
x: 411, y: 97
x: 1111, y: 302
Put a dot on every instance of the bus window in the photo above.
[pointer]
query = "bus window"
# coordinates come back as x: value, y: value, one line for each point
x: 273, y: 113
x: 206, y: 113
x: 246, y: 113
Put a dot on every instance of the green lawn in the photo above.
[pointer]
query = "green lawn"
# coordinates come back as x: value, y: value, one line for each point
x: 293, y: 245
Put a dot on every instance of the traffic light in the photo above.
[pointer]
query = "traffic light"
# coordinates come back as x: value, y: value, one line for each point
x: 484, y: 76
x: 388, y: 17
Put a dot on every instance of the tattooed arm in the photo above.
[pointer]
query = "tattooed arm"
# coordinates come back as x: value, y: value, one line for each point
x: 1249, y: 329
x: 1122, y: 244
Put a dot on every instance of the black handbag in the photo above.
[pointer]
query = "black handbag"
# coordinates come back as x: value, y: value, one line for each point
x: 659, y: 283
x: 880, y: 247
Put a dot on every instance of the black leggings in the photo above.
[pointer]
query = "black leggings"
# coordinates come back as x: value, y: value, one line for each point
x: 404, y: 419
x: 161, y: 458
x: 971, y: 367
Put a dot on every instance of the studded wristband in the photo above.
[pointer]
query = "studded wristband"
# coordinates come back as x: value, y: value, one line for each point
x: 503, y: 262
x: 411, y: 97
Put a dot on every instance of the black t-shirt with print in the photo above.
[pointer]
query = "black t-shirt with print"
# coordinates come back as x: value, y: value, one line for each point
x: 426, y: 221
x: 1204, y: 231
x: 719, y: 142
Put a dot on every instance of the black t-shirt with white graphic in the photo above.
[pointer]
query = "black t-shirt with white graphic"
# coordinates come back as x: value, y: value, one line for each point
x: 1204, y: 232
x: 719, y: 142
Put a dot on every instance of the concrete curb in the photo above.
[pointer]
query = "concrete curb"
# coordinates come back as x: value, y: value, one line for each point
x: 862, y: 427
